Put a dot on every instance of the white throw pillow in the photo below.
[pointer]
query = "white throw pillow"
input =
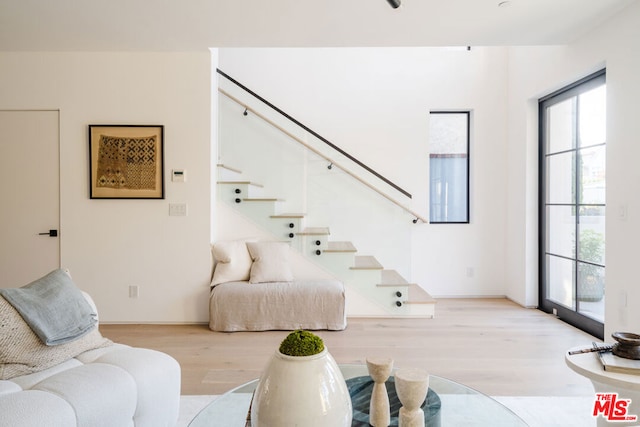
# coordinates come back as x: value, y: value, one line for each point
x: 233, y: 262
x: 270, y: 262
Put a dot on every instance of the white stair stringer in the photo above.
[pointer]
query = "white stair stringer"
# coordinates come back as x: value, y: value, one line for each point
x: 372, y: 291
x: 314, y: 241
x: 259, y: 209
x: 338, y: 257
x: 288, y: 225
x: 240, y: 190
x: 394, y: 286
x: 368, y: 274
x: 411, y: 299
x: 419, y: 303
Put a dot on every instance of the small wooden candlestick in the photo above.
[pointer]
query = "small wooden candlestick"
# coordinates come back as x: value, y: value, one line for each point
x: 379, y: 412
x: 411, y: 386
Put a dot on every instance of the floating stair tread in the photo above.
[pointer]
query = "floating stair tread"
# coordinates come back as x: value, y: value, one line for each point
x: 366, y: 263
x: 315, y: 231
x: 392, y: 278
x: 340, y: 247
x: 417, y: 295
x: 255, y: 184
x: 289, y: 215
x: 229, y: 168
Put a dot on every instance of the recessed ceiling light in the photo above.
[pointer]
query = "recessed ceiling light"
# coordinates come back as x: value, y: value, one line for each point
x: 505, y: 3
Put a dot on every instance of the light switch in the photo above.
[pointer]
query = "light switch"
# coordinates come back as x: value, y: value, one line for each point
x: 177, y: 209
x: 179, y: 175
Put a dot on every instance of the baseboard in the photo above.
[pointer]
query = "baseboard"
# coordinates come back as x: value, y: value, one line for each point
x: 151, y: 323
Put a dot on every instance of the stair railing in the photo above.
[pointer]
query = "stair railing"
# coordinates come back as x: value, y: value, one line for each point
x: 332, y: 162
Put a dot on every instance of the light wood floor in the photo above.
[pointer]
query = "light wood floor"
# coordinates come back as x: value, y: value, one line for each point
x: 491, y: 345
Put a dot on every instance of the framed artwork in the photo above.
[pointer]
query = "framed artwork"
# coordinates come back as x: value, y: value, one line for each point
x: 126, y: 162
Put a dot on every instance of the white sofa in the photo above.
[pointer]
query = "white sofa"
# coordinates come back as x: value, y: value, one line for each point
x: 114, y: 386
x: 105, y: 385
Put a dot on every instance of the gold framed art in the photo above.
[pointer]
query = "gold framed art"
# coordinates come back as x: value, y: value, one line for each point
x: 126, y: 162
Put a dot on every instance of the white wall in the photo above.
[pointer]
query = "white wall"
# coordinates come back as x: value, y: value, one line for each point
x: 537, y: 71
x: 111, y: 244
x: 375, y: 103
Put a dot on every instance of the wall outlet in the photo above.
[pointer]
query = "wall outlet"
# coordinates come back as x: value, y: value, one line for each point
x: 623, y: 299
x: 134, y: 291
x: 177, y: 209
x: 623, y: 212
x: 470, y: 271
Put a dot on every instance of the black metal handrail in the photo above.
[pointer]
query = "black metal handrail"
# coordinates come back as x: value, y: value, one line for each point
x: 312, y: 132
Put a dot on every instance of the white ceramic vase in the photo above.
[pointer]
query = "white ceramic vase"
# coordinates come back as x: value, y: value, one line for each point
x: 301, y: 391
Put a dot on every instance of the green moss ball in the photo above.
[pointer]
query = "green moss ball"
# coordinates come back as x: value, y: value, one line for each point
x: 301, y: 343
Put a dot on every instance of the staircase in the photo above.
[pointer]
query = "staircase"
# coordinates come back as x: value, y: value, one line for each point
x: 384, y: 288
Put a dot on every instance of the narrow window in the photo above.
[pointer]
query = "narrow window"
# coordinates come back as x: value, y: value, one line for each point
x: 449, y: 167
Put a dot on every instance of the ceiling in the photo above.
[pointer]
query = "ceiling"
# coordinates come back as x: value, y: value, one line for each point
x: 195, y: 25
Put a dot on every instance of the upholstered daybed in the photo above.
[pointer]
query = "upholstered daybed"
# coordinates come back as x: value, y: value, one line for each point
x: 253, y: 290
x: 305, y: 304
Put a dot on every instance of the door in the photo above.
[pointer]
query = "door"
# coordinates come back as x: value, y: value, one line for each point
x: 30, y: 193
x: 573, y: 189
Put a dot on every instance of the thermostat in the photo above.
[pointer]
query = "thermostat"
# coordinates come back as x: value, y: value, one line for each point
x: 178, y: 175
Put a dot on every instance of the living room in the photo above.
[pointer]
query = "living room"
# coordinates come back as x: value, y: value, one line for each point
x: 110, y: 245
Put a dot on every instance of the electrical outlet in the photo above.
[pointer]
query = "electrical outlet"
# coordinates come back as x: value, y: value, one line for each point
x: 177, y: 209
x: 134, y: 291
x: 470, y: 272
x: 623, y: 299
x: 623, y: 212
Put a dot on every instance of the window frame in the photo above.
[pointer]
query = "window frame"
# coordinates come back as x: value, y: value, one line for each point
x: 467, y: 183
x: 571, y: 315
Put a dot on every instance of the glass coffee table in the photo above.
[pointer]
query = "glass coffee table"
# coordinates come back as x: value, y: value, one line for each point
x: 455, y: 405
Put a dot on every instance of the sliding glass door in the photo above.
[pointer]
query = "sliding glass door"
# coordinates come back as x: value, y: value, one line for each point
x: 572, y: 196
